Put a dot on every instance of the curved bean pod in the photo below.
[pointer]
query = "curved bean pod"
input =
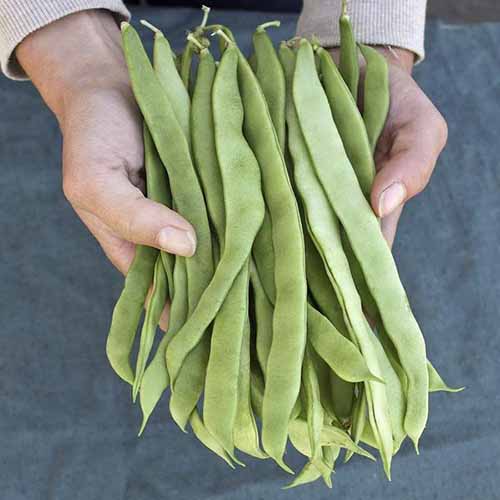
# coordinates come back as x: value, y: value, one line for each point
x: 289, y: 321
x: 264, y: 319
x: 325, y: 231
x: 314, y: 412
x: 270, y: 74
x: 376, y: 93
x: 339, y: 353
x: 204, y: 151
x: 244, y: 209
x: 361, y: 225
x: 156, y: 380
x: 128, y: 311
x: 162, y: 122
x: 154, y: 309
x: 246, y: 435
x: 349, y: 64
x: 436, y: 383
x: 349, y: 121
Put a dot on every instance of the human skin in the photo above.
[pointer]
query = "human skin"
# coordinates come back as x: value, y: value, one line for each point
x: 78, y: 67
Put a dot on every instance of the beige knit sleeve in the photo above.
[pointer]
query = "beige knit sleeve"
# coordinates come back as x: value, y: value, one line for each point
x: 19, y: 18
x: 398, y: 23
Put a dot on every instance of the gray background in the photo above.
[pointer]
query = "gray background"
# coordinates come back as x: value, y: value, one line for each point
x: 67, y: 428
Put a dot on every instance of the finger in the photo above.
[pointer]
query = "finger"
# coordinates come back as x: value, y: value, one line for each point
x: 119, y: 251
x: 408, y: 166
x: 124, y: 209
x: 390, y: 225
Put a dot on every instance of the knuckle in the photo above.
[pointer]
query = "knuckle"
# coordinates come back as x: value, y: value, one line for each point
x: 71, y: 188
x: 129, y: 227
x: 442, y: 127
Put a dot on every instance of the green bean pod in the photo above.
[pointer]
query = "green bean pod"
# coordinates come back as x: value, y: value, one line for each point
x: 244, y: 209
x: 349, y: 64
x: 436, y: 383
x: 162, y: 121
x: 376, y: 100
x: 207, y: 439
x: 337, y: 351
x: 130, y: 305
x: 264, y: 319
x: 349, y: 122
x: 325, y: 232
x: 361, y: 225
x: 128, y: 311
x: 183, y: 402
x: 312, y: 403
x: 289, y: 322
x: 165, y: 65
x: 158, y: 190
x: 256, y: 389
x: 359, y: 419
x: 246, y: 435
x: 156, y: 380
x: 159, y: 295
x: 270, y: 74
x: 203, y: 138
x: 221, y: 385
x: 342, y: 391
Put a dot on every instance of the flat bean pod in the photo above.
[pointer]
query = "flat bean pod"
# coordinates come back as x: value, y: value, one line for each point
x: 154, y: 309
x: 222, y: 377
x: 183, y: 403
x: 436, y: 383
x: 349, y: 122
x: 342, y: 391
x: 246, y: 435
x: 361, y: 225
x: 376, y: 93
x: 340, y: 354
x: 312, y: 402
x: 349, y: 64
x: 156, y: 380
x: 203, y: 138
x: 244, y: 208
x: 270, y: 74
x: 128, y: 311
x: 289, y: 321
x: 162, y: 122
x: 264, y: 319
x: 326, y: 236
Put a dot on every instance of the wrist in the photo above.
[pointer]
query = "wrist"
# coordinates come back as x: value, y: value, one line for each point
x: 403, y: 58
x: 68, y: 56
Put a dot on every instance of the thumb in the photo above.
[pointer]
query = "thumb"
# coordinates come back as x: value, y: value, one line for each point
x: 405, y: 171
x: 124, y: 209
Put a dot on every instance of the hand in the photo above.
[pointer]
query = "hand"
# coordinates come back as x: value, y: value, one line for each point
x: 413, y: 138
x: 411, y: 142
x: 78, y: 66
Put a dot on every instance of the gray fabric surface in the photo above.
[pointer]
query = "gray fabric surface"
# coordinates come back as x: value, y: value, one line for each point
x: 68, y: 430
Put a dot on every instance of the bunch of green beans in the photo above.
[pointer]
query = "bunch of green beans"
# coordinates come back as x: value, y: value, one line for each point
x: 268, y: 344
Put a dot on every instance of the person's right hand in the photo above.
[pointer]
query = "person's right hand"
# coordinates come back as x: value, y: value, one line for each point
x: 78, y: 66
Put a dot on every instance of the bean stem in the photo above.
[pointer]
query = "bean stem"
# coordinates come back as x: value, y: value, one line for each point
x: 269, y: 24
x: 152, y: 27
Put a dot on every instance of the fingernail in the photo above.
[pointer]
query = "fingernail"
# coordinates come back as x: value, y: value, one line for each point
x: 177, y: 241
x: 391, y: 198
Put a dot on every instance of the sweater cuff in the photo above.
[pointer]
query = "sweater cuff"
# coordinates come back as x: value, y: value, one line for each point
x: 396, y: 23
x: 19, y: 18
